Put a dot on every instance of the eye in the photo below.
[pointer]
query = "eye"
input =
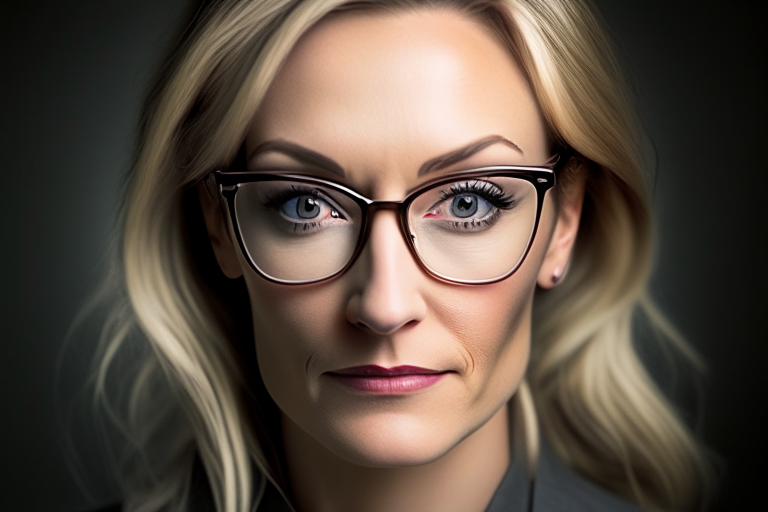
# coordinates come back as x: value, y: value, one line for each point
x: 302, y: 207
x: 467, y: 205
x: 307, y: 207
x: 471, y: 200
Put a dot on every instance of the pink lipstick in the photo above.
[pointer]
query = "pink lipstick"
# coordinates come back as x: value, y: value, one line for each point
x: 387, y: 381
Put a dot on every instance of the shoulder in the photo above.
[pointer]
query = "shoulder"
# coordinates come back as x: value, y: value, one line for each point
x: 560, y: 489
x: 557, y: 489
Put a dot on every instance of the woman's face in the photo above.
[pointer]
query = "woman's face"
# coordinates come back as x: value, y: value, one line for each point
x: 381, y: 94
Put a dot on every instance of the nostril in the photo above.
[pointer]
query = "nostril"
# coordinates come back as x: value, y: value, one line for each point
x: 387, y: 294
x: 383, y: 327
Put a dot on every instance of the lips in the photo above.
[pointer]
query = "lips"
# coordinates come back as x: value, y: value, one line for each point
x: 387, y: 381
x: 371, y: 370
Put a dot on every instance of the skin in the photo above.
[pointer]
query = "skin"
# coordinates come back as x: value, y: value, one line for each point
x: 381, y: 94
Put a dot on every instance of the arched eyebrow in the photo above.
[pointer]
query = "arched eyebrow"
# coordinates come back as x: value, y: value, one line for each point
x: 315, y: 159
x: 300, y: 153
x: 454, y: 157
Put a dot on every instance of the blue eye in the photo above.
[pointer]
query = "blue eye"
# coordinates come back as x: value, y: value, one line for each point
x: 474, y: 200
x: 302, y: 207
x: 466, y: 205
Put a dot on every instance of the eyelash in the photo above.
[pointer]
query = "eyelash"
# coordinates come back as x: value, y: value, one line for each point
x: 275, y: 200
x: 485, y: 189
x: 489, y: 192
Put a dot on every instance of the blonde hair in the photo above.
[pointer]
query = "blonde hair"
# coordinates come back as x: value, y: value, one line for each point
x: 595, y: 402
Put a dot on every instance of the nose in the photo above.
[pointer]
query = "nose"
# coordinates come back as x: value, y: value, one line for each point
x: 387, y: 296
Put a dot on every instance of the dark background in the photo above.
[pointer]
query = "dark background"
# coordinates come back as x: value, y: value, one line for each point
x: 72, y: 77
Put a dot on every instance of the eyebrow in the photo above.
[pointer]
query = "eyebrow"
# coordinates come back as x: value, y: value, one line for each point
x: 299, y: 153
x: 316, y: 159
x: 448, y: 159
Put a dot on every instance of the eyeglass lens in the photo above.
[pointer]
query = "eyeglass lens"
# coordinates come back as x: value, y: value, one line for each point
x: 467, y: 230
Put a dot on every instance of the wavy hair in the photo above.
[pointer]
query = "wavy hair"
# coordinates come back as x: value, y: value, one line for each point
x: 191, y: 392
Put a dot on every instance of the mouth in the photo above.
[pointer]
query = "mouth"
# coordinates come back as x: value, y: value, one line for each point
x: 387, y: 381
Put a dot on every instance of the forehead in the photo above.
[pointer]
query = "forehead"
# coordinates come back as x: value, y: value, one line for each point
x: 393, y: 90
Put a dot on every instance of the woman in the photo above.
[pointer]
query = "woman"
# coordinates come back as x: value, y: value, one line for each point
x: 429, y: 220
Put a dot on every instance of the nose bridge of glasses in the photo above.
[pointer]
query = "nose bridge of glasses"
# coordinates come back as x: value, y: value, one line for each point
x: 375, y: 206
x: 397, y: 207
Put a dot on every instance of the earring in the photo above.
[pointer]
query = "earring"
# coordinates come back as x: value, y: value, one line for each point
x: 557, y: 275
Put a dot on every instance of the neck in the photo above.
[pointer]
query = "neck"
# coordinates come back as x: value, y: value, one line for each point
x: 462, y: 480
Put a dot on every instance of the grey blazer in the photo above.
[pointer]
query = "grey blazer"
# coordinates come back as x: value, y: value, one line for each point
x: 556, y: 488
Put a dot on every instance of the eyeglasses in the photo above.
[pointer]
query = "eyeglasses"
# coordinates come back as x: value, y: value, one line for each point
x: 471, y: 228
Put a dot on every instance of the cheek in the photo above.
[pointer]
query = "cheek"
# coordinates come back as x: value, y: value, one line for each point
x: 298, y: 313
x: 488, y: 321
x: 492, y: 325
x: 289, y: 329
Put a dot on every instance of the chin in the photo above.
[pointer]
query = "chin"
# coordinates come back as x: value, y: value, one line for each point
x: 394, y: 440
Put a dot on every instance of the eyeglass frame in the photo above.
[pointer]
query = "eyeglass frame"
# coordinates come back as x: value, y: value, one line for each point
x: 542, y: 178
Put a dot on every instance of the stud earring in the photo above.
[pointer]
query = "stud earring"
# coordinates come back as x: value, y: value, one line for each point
x: 557, y: 275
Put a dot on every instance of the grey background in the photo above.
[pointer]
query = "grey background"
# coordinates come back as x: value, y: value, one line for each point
x: 72, y: 77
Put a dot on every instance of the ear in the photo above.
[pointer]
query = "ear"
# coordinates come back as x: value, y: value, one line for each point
x: 558, y: 256
x: 218, y: 232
